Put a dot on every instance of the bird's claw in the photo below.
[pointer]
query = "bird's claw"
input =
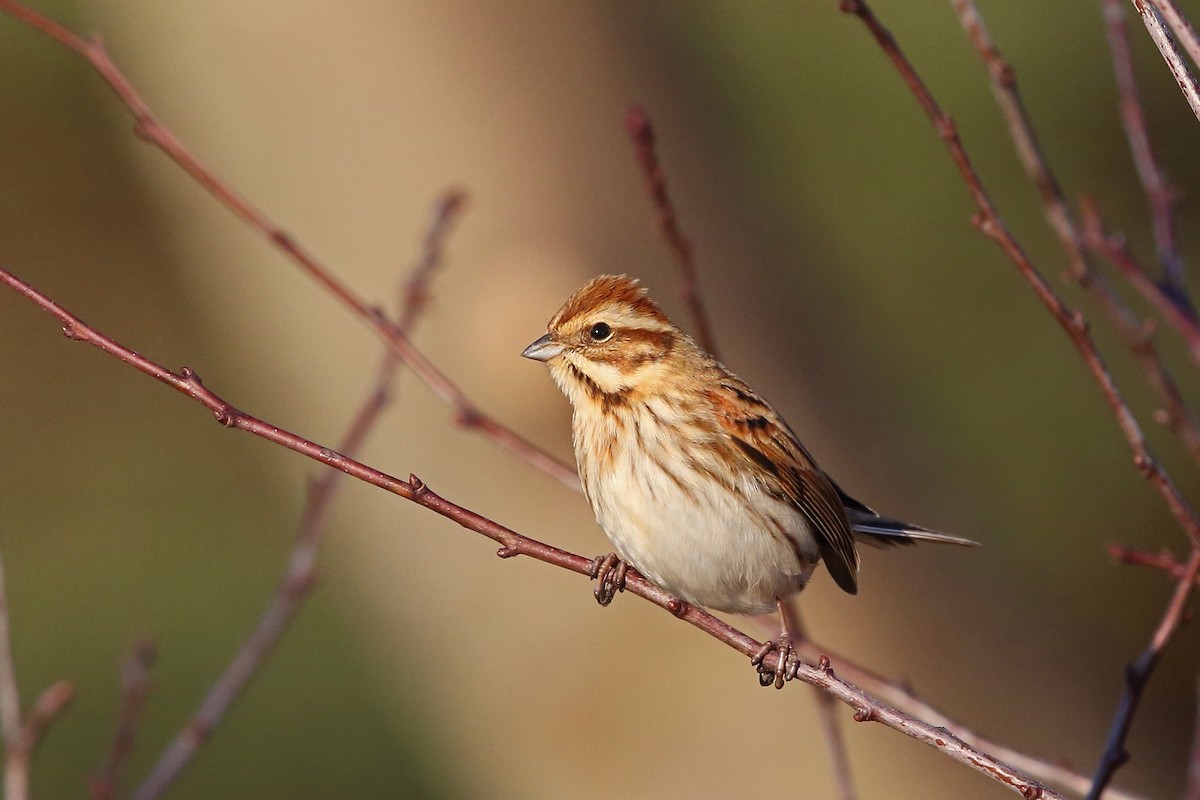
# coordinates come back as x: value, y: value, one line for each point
x: 609, y: 573
x: 786, y: 664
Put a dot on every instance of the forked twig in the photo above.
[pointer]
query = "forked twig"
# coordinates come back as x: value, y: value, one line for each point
x: 135, y: 689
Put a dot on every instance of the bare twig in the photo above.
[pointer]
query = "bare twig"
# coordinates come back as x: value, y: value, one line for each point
x: 1136, y: 336
x: 637, y: 122
x: 513, y: 544
x: 135, y: 688
x: 1179, y: 25
x: 1113, y: 248
x: 904, y: 698
x: 1137, y: 675
x: 1072, y: 322
x: 1163, y: 561
x: 10, y: 697
x: 49, y: 705
x: 1166, y: 47
x: 148, y: 127
x: 299, y: 576
x: 1159, y: 193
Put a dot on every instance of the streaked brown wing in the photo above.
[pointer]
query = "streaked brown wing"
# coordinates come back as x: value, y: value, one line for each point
x: 761, y: 435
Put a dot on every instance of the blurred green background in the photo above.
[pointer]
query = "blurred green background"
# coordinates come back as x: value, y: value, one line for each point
x: 844, y: 281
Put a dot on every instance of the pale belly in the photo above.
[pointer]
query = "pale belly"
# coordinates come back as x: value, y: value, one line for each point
x: 697, y: 539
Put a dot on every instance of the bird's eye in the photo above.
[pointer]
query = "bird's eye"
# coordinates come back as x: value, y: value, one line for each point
x: 600, y: 332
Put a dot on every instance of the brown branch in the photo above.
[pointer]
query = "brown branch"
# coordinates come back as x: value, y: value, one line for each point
x: 135, y: 689
x: 1072, y: 322
x: 1133, y: 333
x: 149, y: 128
x: 641, y: 130
x: 49, y: 705
x: 1159, y: 193
x: 1179, y: 25
x: 513, y: 544
x: 1166, y: 47
x: 904, y: 698
x: 1137, y: 675
x: 299, y: 576
x: 1163, y: 561
x: 1114, y: 248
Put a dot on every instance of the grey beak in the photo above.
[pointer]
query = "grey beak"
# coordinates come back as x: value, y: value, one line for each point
x: 543, y: 349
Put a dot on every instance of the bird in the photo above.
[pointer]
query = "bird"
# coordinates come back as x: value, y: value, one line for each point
x: 697, y: 480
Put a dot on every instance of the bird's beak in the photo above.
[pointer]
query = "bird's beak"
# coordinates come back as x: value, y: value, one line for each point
x: 543, y: 349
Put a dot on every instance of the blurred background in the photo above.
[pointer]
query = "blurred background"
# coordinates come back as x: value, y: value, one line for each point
x: 843, y: 279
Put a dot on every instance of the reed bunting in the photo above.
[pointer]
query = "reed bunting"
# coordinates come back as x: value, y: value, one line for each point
x: 697, y: 480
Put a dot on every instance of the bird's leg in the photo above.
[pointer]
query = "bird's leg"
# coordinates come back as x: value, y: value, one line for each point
x: 609, y: 573
x: 790, y: 630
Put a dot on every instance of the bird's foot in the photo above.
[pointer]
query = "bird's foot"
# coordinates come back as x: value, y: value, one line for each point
x: 785, y: 665
x: 609, y: 574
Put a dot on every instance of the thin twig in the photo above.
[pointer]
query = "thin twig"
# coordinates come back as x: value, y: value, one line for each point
x: 640, y: 128
x: 1166, y: 47
x: 827, y: 710
x: 1183, y: 30
x: 1157, y: 188
x: 298, y: 578
x: 1162, y: 561
x: 904, y: 698
x: 135, y: 689
x: 10, y: 697
x: 151, y: 129
x: 1137, y: 675
x: 513, y: 544
x: 49, y: 705
x: 1072, y: 322
x: 1135, y: 335
x: 1114, y: 248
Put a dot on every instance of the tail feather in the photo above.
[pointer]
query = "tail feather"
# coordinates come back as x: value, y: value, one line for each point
x: 872, y: 529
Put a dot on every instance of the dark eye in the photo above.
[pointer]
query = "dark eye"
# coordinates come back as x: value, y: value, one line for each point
x: 600, y: 332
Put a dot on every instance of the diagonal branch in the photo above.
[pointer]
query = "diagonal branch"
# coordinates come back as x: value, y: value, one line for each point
x: 867, y: 708
x: 1134, y: 334
x: 148, y: 127
x: 299, y: 576
x: 1165, y: 43
x: 135, y: 689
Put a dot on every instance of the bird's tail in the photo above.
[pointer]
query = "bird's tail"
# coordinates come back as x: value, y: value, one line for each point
x: 870, y: 528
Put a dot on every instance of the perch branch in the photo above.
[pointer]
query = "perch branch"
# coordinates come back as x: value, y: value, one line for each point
x: 1135, y: 335
x: 513, y: 544
x: 299, y: 576
x: 1179, y: 25
x: 641, y: 130
x: 149, y: 128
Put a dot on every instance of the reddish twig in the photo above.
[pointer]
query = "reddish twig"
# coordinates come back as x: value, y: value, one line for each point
x: 135, y: 689
x: 514, y: 544
x: 298, y: 578
x: 149, y: 128
x: 1193, y: 774
x: 637, y: 122
x: 1163, y: 561
x: 1114, y: 248
x: 1135, y: 335
x: 1165, y: 43
x: 1159, y: 193
x: 1072, y: 322
x: 1137, y: 675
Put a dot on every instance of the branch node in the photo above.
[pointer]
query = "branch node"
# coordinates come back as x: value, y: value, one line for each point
x: 417, y: 485
x: 508, y: 552
x: 865, y: 713
x: 468, y: 417
x: 677, y: 607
